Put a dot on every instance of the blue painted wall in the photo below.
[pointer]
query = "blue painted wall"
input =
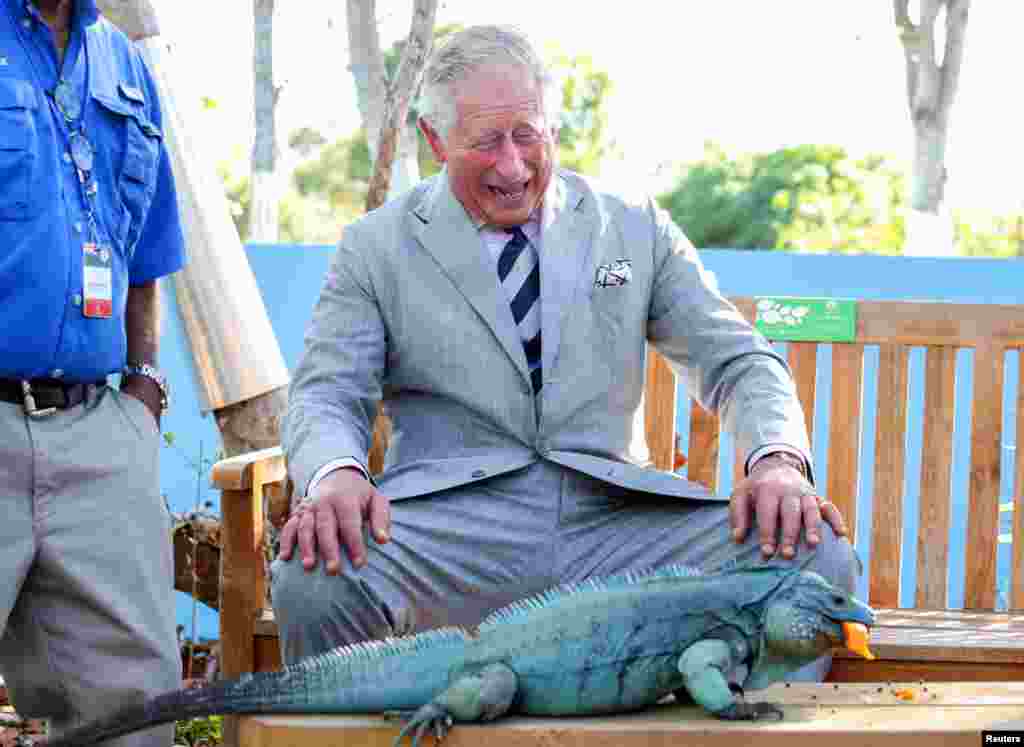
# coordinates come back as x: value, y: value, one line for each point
x: 289, y: 278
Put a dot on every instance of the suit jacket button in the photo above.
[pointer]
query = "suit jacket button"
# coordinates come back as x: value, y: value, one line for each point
x: 479, y: 473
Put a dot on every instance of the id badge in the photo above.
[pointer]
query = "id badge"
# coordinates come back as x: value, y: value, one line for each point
x: 97, y: 282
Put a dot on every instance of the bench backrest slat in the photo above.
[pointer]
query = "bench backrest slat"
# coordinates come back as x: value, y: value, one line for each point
x: 936, y: 468
x: 1017, y: 554
x: 895, y: 327
x: 702, y: 453
x: 983, y: 491
x: 844, y: 431
x: 660, y: 420
x: 803, y: 361
x: 890, y: 454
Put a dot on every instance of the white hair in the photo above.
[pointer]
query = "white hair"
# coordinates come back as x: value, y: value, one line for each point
x: 468, y: 51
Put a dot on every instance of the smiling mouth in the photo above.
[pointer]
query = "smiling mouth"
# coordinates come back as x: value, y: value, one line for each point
x: 510, y: 195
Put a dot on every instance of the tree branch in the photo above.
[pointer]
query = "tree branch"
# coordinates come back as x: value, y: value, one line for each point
x: 929, y: 77
x: 908, y: 34
x: 396, y: 105
x: 901, y: 14
x: 956, y: 31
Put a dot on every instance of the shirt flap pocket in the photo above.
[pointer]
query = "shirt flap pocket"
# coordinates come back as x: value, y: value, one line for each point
x: 129, y: 103
x: 17, y: 94
x: 131, y: 93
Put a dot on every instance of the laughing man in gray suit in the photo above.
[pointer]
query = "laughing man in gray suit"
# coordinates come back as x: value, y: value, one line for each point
x: 504, y: 309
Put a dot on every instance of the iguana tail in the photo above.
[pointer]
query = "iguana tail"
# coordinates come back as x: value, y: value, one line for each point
x: 362, y: 678
x: 263, y: 692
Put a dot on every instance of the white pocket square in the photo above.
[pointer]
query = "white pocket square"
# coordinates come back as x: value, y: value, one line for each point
x: 618, y: 272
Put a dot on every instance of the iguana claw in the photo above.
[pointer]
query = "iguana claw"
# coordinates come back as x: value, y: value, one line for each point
x: 419, y: 722
x: 743, y: 711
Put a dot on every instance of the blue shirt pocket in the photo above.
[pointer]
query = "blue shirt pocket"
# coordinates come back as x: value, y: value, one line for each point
x: 18, y: 144
x: 138, y: 140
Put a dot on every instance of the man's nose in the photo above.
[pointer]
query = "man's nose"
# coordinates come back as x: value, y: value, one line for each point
x: 510, y: 164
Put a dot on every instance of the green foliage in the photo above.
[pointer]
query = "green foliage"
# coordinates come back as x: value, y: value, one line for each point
x: 982, y: 233
x: 306, y: 140
x: 583, y: 141
x: 807, y: 198
x: 300, y: 219
x: 198, y: 731
x: 339, y: 177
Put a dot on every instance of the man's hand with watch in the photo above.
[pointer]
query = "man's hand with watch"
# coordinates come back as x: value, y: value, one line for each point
x: 145, y: 382
x: 777, y: 491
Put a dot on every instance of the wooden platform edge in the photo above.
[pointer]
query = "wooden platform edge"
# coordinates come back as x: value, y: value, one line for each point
x: 901, y: 713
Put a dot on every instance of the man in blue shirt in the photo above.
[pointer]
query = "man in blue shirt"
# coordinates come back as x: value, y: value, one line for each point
x: 88, y: 222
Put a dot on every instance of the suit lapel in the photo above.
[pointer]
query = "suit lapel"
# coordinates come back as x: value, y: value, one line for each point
x: 441, y: 225
x: 565, y: 255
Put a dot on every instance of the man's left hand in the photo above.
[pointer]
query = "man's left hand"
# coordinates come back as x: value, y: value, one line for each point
x: 780, y: 497
x: 145, y: 389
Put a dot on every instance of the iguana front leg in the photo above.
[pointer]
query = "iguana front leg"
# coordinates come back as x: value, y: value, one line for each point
x: 482, y: 696
x: 704, y: 666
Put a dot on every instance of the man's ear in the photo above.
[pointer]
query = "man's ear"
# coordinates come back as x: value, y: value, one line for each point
x: 434, y: 139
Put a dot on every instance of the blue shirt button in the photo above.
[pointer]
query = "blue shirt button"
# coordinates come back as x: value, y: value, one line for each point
x: 77, y: 299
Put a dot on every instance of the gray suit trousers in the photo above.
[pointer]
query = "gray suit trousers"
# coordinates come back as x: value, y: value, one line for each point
x: 86, y: 587
x: 459, y: 554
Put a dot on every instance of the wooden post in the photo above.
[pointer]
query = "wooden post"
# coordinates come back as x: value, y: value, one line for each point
x: 242, y: 585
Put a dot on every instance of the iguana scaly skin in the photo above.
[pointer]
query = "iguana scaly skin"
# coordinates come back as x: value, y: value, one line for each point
x: 601, y: 646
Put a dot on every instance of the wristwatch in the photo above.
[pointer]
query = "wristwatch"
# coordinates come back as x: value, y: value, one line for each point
x: 151, y: 372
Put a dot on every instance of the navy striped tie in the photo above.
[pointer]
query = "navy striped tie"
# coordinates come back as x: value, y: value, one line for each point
x: 519, y: 272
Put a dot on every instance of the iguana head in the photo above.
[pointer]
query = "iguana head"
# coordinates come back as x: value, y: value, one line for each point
x: 809, y: 617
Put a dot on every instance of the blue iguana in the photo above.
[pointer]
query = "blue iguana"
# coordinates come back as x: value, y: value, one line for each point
x: 601, y: 646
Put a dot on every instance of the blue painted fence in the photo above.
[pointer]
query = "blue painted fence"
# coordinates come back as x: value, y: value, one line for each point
x: 289, y: 278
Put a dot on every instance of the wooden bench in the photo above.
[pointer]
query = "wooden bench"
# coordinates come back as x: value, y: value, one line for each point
x: 927, y: 642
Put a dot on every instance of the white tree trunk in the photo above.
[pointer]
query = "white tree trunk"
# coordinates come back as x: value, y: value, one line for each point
x: 406, y: 171
x: 370, y: 77
x: 263, y: 206
x: 136, y: 18
x: 265, y: 188
x: 367, y: 67
x: 931, y: 89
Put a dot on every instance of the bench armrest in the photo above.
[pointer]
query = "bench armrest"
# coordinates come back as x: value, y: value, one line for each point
x: 252, y: 468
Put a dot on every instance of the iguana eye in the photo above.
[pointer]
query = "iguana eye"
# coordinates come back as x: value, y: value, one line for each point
x: 838, y: 600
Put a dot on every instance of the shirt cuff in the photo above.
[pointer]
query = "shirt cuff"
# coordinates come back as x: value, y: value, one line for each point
x: 332, y: 466
x: 764, y: 451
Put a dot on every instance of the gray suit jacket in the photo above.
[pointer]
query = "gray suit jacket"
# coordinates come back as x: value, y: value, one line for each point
x: 411, y: 310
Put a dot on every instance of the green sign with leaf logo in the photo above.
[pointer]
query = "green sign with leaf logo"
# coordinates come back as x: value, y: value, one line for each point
x: 807, y: 319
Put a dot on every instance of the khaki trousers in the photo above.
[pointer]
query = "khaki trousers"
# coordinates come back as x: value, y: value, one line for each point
x: 86, y: 585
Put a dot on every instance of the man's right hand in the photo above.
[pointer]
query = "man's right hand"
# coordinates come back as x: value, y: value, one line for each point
x: 332, y: 517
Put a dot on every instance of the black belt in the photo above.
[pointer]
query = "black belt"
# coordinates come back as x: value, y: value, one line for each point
x: 46, y: 394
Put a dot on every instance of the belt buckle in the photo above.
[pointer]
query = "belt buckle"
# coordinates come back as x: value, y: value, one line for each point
x: 30, y: 403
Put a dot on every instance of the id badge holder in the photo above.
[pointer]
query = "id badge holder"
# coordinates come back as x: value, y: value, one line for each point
x: 97, y: 281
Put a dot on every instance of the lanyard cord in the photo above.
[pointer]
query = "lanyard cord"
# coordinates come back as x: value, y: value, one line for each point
x: 76, y: 43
